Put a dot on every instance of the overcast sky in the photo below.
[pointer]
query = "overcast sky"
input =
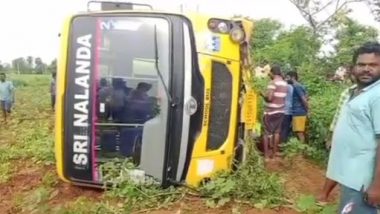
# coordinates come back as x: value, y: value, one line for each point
x: 31, y: 27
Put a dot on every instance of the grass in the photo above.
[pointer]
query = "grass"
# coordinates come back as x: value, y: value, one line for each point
x: 27, y: 135
x: 28, y: 141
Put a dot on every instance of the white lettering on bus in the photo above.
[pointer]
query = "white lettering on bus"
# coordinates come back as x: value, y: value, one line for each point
x: 80, y: 148
x: 81, y: 99
x: 107, y: 25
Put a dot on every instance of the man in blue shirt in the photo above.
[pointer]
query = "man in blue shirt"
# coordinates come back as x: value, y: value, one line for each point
x: 300, y: 106
x: 354, y: 161
x: 286, y: 127
x: 6, y: 96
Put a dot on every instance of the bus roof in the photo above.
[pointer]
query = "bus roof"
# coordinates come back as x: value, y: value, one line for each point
x: 185, y: 14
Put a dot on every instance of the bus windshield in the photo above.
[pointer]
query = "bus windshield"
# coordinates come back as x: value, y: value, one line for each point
x: 125, y: 92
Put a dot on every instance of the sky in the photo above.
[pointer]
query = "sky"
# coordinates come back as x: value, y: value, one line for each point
x: 31, y: 27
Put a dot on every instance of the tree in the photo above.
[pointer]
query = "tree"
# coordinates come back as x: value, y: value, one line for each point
x: 294, y: 47
x: 375, y: 7
x: 20, y: 65
x: 350, y: 35
x: 29, y: 59
x: 6, y: 67
x: 40, y: 66
x: 265, y: 32
x: 53, y: 66
x: 318, y: 13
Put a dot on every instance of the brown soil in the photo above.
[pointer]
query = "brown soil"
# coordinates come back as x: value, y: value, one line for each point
x: 25, y: 179
x: 196, y: 205
x: 28, y: 178
x: 66, y: 192
x: 301, y: 177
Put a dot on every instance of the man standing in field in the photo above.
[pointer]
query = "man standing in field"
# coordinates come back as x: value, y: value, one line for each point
x: 354, y: 161
x: 6, y: 96
x: 300, y: 106
x: 274, y: 111
x: 53, y: 85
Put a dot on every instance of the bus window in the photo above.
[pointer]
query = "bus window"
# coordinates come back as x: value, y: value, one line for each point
x: 126, y: 91
x: 132, y: 86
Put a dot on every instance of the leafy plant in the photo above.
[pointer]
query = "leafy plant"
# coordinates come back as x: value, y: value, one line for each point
x: 294, y: 148
x: 250, y: 182
x: 135, y: 192
x: 308, y: 204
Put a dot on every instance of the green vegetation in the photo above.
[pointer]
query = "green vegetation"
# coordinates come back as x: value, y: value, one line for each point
x: 28, y: 135
x: 250, y: 183
x: 27, y: 141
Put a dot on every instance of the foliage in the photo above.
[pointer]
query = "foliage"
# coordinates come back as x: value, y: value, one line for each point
x: 5, y: 171
x: 83, y: 205
x: 133, y: 192
x: 28, y: 134
x: 308, y: 204
x: 294, y: 47
x: 319, y: 14
x: 34, y: 201
x: 294, y: 147
x: 323, y: 99
x: 32, y: 65
x: 374, y: 5
x: 250, y: 182
x: 264, y: 35
x: 350, y: 35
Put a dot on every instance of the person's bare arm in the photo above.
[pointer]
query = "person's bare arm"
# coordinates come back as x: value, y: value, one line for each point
x: 374, y: 189
x: 305, y: 102
x: 268, y: 96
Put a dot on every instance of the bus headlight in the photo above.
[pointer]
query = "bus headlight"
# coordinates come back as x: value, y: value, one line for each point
x: 237, y: 34
x: 223, y: 27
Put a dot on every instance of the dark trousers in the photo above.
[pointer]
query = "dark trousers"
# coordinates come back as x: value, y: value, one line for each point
x: 53, y: 101
x: 286, y: 128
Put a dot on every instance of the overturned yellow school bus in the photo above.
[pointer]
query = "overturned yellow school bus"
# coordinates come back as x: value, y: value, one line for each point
x: 167, y: 90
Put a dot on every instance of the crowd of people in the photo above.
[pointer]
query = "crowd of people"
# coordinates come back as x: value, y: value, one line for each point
x: 285, y: 112
x: 354, y: 159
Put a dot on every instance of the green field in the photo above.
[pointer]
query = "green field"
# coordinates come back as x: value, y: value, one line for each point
x: 29, y: 184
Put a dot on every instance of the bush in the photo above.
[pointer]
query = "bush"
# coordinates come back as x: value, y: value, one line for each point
x: 323, y: 96
x: 251, y: 182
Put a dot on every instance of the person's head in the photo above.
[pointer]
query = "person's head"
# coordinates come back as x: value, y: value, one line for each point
x: 103, y: 82
x: 367, y: 63
x: 144, y: 87
x: 292, y: 76
x: 2, y: 77
x: 275, y: 71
